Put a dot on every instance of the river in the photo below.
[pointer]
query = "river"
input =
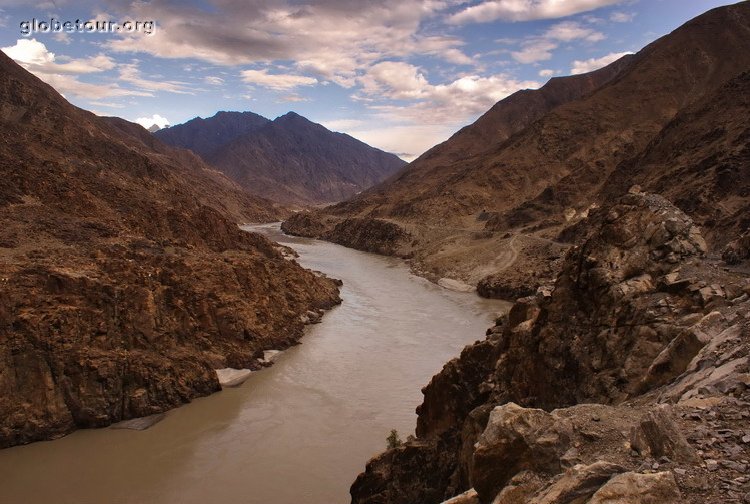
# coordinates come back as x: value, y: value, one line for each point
x: 298, y: 432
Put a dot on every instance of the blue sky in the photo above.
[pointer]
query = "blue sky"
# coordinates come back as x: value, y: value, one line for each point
x: 401, y: 75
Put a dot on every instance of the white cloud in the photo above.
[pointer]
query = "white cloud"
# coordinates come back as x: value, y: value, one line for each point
x: 407, y: 141
x: 29, y: 51
x: 622, y: 17
x: 547, y: 72
x: 276, y: 81
x: 525, y: 10
x: 213, y: 80
x: 68, y: 85
x: 533, y: 51
x: 291, y: 98
x: 62, y: 37
x: 129, y: 72
x: 343, y: 124
x: 457, y: 57
x: 592, y: 64
x: 540, y: 48
x: 35, y: 56
x: 571, y: 30
x: 454, y: 102
x: 147, y: 122
x: 330, y: 40
x: 402, y: 81
x: 106, y: 104
x: 60, y: 72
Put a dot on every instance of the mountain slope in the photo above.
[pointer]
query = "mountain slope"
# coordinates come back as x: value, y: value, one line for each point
x: 504, y: 119
x: 460, y: 211
x: 125, y: 278
x: 706, y: 148
x: 290, y: 159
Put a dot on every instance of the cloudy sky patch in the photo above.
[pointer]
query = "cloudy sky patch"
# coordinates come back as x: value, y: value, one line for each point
x: 402, y: 75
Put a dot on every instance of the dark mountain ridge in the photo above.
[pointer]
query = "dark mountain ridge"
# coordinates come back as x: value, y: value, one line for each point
x: 204, y: 136
x: 290, y: 159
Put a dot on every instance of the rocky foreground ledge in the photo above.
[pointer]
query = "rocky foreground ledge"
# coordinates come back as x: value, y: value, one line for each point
x: 625, y: 381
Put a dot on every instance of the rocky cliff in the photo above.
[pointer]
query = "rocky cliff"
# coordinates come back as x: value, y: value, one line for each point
x: 367, y: 234
x: 624, y: 381
x: 125, y: 280
x: 289, y: 159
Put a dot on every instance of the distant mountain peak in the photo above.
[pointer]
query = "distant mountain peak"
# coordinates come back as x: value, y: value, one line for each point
x: 204, y: 136
x: 290, y: 159
x: 292, y: 116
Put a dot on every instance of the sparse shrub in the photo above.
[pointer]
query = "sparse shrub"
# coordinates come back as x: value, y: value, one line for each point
x: 393, y: 440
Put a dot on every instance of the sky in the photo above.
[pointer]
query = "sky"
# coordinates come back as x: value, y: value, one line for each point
x: 401, y: 75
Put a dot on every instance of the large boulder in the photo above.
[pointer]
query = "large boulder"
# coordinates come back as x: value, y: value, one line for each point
x: 516, y: 439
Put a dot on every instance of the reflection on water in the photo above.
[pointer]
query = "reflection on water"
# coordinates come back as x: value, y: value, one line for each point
x: 296, y: 433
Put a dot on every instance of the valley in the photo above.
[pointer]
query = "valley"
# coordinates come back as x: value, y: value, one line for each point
x: 551, y: 306
x: 318, y: 412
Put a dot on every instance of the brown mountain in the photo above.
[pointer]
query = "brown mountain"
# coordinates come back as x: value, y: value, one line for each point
x: 290, y: 159
x: 496, y: 193
x: 701, y: 161
x: 125, y: 278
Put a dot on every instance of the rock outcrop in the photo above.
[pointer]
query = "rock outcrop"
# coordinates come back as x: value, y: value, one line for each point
x: 305, y: 224
x: 370, y: 235
x: 737, y: 251
x: 623, y: 382
x: 124, y: 278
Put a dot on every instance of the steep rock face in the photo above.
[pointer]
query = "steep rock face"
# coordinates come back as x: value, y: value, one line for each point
x: 125, y: 280
x: 304, y: 224
x: 370, y: 235
x: 289, y: 159
x: 602, y: 324
x: 737, y: 250
x: 636, y: 317
x: 706, y: 147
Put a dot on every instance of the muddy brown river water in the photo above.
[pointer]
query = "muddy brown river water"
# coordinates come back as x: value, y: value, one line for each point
x: 296, y: 433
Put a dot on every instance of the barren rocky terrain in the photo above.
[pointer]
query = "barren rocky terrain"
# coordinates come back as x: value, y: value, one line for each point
x: 624, y: 381
x: 616, y: 215
x: 124, y: 278
x: 539, y: 161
